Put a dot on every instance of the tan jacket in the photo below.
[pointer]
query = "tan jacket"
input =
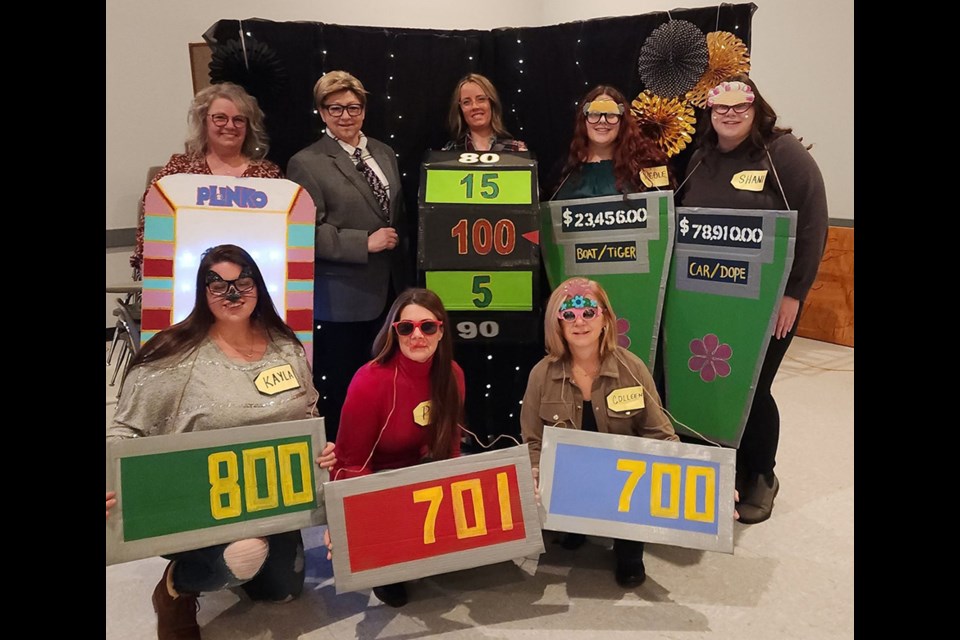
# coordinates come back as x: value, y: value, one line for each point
x: 552, y: 399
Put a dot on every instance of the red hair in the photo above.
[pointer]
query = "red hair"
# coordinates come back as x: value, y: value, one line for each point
x: 632, y: 151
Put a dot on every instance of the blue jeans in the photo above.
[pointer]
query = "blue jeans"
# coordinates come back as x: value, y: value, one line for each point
x: 280, y: 578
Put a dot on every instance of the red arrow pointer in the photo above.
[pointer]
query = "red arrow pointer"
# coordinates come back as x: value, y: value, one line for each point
x: 533, y: 236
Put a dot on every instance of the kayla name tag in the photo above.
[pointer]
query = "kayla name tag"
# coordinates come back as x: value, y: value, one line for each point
x: 626, y: 399
x: 276, y: 379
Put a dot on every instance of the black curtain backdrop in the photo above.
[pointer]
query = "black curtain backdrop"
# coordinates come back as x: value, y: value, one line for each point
x: 540, y: 72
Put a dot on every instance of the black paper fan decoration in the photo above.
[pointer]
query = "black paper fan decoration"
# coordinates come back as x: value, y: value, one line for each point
x: 673, y: 58
x: 252, y: 65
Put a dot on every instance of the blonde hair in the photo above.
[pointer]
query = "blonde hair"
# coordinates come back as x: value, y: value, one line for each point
x: 556, y: 344
x: 455, y: 121
x: 256, y: 143
x: 334, y: 81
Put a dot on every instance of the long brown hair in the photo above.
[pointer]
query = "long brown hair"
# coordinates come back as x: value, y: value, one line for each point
x: 184, y: 337
x: 763, y: 130
x: 455, y: 120
x: 632, y: 152
x: 446, y: 404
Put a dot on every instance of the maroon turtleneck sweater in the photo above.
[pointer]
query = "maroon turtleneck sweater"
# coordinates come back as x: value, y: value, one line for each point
x: 384, y: 397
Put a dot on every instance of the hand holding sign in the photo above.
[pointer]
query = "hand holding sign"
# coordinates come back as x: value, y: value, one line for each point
x: 111, y: 501
x: 328, y: 457
x: 328, y: 543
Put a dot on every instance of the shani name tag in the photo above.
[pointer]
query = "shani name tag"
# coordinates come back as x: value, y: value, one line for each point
x: 638, y: 488
x: 432, y: 518
x: 192, y: 490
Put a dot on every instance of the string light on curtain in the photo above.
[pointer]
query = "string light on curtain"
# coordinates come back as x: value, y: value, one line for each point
x: 323, y: 72
x: 519, y: 89
x: 576, y: 59
x: 391, y: 122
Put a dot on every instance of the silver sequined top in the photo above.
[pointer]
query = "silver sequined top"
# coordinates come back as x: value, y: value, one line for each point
x: 207, y: 390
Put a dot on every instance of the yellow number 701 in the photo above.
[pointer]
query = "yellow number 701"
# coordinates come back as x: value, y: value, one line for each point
x: 434, y: 495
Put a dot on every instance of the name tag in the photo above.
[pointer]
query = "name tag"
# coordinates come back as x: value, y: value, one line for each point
x: 655, y: 176
x: 626, y: 399
x: 421, y: 414
x: 277, y: 379
x: 749, y: 180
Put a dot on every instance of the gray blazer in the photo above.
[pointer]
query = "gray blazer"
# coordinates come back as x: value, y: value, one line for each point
x: 350, y: 284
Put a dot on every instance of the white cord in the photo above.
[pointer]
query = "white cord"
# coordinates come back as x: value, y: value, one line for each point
x: 662, y: 408
x: 487, y: 446
x: 382, y: 429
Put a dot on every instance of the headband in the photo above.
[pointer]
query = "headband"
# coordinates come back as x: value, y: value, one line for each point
x: 603, y: 106
x: 576, y: 293
x: 730, y: 93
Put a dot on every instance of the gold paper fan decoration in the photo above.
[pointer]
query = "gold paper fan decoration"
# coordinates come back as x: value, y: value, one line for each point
x: 671, y: 120
x: 727, y: 56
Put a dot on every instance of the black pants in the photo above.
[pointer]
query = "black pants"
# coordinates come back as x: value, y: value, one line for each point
x: 627, y: 550
x: 340, y: 348
x: 761, y: 435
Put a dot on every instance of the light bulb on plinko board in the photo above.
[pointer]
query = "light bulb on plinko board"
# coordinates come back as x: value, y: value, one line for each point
x: 198, y: 230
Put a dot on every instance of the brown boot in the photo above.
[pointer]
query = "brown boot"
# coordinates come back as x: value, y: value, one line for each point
x: 757, y: 505
x: 176, y: 616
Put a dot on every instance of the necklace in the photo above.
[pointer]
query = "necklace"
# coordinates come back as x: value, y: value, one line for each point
x: 246, y: 353
x: 584, y: 372
x: 221, y: 167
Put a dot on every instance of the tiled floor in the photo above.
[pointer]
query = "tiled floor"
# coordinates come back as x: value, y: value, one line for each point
x: 790, y: 577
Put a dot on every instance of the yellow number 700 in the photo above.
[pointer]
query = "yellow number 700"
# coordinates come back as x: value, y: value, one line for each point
x: 636, y: 469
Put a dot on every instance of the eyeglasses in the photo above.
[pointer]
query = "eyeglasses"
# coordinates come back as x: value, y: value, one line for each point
x: 610, y: 118
x: 220, y: 287
x: 336, y: 110
x: 466, y: 103
x: 585, y: 313
x: 427, y: 327
x: 721, y: 109
x: 221, y: 120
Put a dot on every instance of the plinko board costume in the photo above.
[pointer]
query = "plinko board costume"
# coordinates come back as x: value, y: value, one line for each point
x: 186, y: 213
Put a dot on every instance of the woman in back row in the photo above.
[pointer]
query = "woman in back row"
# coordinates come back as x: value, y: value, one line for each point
x: 608, y: 154
x: 739, y: 134
x: 476, y: 118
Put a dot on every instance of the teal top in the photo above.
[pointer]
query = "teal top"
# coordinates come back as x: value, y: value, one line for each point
x: 589, y: 180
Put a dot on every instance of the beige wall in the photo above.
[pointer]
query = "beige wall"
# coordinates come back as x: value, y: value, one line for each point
x: 802, y: 60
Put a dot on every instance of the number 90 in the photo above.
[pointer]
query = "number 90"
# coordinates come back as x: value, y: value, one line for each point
x: 470, y: 330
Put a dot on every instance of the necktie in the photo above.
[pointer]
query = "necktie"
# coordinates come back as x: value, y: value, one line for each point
x: 379, y: 191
